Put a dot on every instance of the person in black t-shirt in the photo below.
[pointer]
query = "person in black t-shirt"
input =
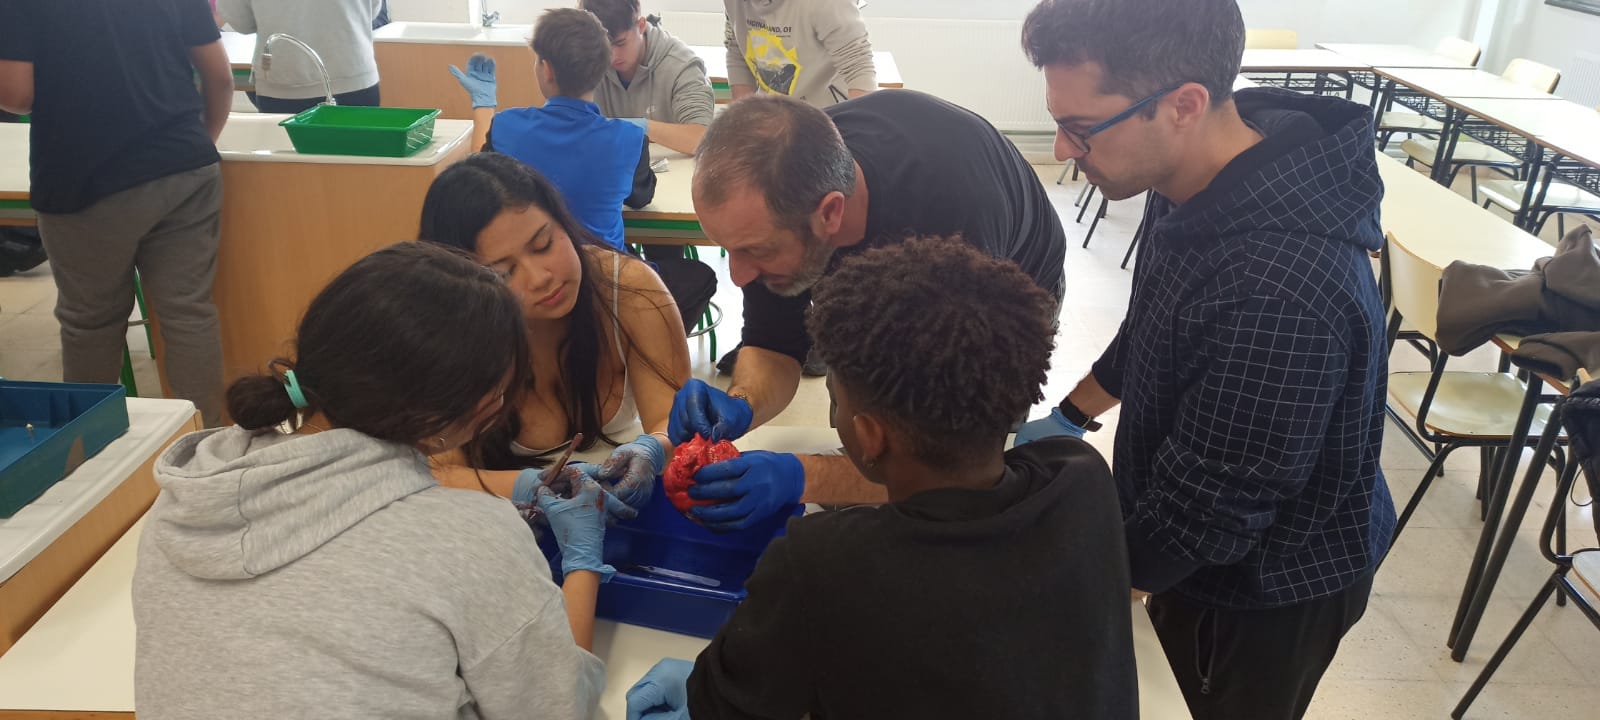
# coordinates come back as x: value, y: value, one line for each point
x: 789, y: 191
x: 139, y: 188
x: 994, y: 584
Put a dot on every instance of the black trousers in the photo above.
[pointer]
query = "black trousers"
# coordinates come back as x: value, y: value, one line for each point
x: 1254, y: 664
x: 690, y: 282
x: 366, y: 97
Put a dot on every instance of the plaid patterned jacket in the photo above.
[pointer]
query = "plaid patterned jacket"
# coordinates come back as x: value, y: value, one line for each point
x: 1251, y: 369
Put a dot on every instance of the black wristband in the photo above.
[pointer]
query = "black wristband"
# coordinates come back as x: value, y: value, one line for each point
x: 1076, y: 416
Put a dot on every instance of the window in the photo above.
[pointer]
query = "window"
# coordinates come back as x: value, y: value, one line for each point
x: 1591, y: 7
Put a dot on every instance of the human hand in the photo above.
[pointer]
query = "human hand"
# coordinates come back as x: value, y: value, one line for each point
x: 579, y: 524
x: 663, y: 693
x: 749, y: 488
x: 478, y: 80
x: 633, y: 468
x: 701, y: 409
x: 1053, y: 425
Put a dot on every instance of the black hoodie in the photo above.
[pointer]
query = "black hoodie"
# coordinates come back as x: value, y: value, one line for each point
x: 1251, y: 369
x: 1010, y: 602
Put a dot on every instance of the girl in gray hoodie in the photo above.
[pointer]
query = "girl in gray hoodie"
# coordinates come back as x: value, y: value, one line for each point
x: 304, y: 562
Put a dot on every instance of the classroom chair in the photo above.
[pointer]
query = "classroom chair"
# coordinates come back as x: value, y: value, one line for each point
x: 1575, y: 576
x: 1472, y: 154
x: 1560, y: 199
x: 128, y: 381
x: 1452, y: 409
x: 1392, y: 122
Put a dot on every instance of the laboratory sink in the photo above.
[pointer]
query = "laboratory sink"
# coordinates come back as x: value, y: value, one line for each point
x: 453, y: 33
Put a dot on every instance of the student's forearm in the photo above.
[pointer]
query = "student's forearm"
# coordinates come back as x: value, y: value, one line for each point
x: 218, y: 92
x: 579, y: 589
x: 482, y: 119
x: 680, y: 137
x: 742, y: 91
x: 767, y: 379
x: 1091, y: 398
x: 834, y: 480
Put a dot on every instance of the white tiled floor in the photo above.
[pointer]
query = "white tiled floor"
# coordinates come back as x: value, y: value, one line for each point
x: 1393, y: 665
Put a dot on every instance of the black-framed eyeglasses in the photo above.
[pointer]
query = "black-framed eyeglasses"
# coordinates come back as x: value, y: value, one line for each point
x: 1080, y: 141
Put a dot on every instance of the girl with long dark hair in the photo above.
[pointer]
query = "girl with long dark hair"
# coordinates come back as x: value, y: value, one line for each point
x: 606, y: 342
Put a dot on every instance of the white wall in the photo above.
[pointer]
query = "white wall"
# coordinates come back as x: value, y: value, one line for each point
x: 1554, y: 36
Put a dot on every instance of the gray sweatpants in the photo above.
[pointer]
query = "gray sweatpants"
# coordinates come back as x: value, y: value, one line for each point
x: 168, y: 229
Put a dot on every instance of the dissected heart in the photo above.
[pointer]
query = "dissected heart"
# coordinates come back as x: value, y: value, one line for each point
x: 687, y: 458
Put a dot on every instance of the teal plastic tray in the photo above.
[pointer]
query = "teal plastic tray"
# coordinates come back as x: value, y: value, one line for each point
x: 71, y: 423
x: 361, y: 131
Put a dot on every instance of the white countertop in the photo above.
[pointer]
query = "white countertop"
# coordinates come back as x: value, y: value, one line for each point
x: 452, y: 34
x: 1303, y: 59
x: 256, y: 137
x: 1393, y: 55
x: 80, y: 655
x: 13, y: 159
x: 26, y: 534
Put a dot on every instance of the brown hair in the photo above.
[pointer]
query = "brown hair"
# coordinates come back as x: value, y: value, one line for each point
x: 788, y: 150
x: 576, y: 46
x: 618, y: 16
x: 1144, y: 46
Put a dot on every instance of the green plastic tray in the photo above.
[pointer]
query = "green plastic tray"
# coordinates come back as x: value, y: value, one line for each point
x: 364, y: 131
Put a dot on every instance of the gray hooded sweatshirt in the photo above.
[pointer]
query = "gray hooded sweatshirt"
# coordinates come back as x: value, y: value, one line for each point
x: 670, y: 85
x: 330, y: 576
x: 814, y: 50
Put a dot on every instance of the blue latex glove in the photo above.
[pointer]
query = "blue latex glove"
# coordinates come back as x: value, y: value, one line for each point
x: 755, y: 486
x: 478, y: 80
x: 1054, y: 425
x: 699, y: 409
x: 633, y: 468
x: 529, y: 481
x: 579, y: 524
x: 663, y: 693
x: 643, y: 123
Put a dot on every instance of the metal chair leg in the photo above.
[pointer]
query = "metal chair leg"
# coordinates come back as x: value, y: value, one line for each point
x: 1096, y: 222
x: 1064, y: 170
x: 1129, y: 255
x: 1505, y: 648
x: 1084, y: 207
x: 1434, y: 470
x: 1082, y: 195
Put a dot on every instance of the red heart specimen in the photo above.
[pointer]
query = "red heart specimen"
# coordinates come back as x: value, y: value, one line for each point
x: 687, y: 458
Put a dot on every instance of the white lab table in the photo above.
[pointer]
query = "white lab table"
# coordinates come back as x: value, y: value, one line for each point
x: 80, y: 657
x: 14, y: 182
x: 715, y: 58
x: 49, y: 543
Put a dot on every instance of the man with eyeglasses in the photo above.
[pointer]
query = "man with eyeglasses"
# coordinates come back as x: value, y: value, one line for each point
x: 1250, y: 367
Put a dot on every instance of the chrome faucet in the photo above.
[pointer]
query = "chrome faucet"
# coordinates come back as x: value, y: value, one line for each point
x: 266, y: 62
x: 489, y: 18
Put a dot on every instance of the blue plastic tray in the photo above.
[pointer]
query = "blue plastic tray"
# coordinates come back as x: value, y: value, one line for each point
x: 673, y: 574
x: 71, y: 423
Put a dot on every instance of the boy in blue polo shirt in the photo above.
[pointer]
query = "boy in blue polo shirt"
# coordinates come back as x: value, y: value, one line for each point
x: 599, y: 163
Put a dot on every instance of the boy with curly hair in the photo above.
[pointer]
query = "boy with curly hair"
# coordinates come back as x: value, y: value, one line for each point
x: 993, y: 584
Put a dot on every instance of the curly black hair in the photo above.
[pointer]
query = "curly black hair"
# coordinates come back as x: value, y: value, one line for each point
x: 948, y: 344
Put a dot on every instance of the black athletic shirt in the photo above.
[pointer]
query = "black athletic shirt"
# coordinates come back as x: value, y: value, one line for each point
x: 1009, y: 602
x: 932, y: 168
x: 115, y: 100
